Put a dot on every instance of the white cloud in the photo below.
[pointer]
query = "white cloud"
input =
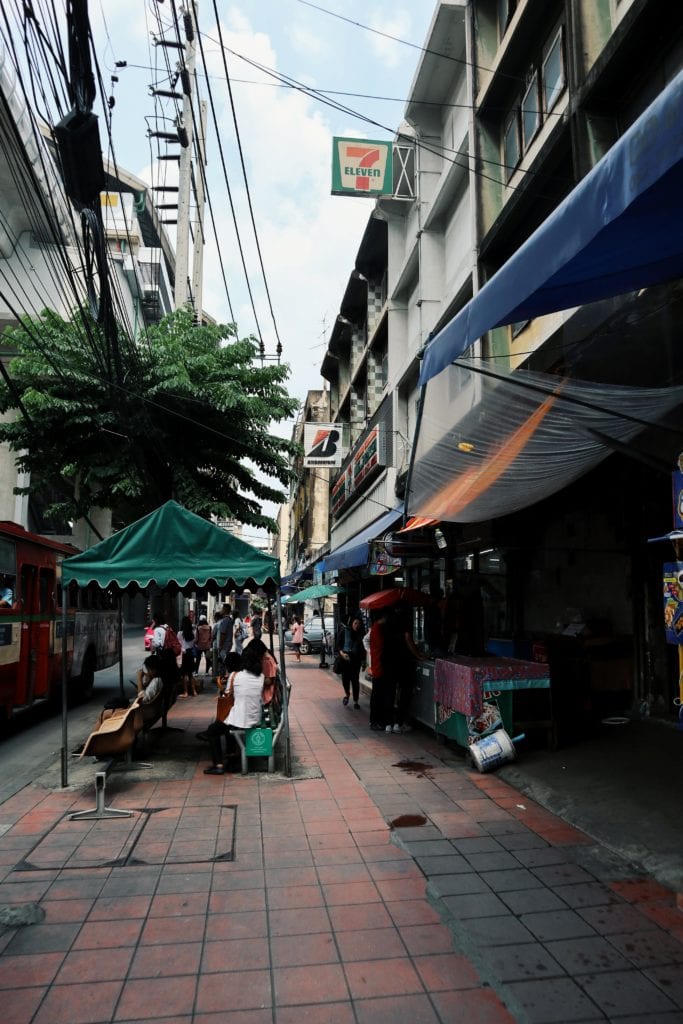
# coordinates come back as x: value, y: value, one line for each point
x: 306, y: 42
x: 390, y: 52
x: 308, y: 239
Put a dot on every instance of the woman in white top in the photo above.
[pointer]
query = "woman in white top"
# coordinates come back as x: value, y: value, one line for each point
x: 187, y: 638
x: 247, y: 686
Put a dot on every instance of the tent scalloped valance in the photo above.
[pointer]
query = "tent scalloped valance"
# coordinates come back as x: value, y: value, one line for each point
x: 171, y: 546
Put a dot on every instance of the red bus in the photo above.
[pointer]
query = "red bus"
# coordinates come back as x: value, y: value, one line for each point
x: 31, y: 624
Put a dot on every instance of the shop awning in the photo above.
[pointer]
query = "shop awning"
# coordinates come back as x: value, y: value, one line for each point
x: 620, y: 229
x: 356, y: 550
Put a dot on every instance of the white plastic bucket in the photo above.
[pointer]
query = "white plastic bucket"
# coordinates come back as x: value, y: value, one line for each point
x: 492, y: 751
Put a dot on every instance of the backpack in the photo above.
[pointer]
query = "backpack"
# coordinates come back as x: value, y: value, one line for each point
x: 172, y: 642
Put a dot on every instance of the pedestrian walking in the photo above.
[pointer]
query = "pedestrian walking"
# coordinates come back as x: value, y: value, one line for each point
x: 239, y: 634
x: 297, y: 636
x: 352, y: 654
x: 203, y: 645
x: 187, y: 640
x: 223, y: 638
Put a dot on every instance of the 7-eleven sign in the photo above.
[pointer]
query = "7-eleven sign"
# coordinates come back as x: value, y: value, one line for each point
x: 361, y: 167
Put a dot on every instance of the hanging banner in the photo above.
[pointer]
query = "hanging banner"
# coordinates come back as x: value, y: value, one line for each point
x: 383, y: 564
x: 677, y: 483
x: 673, y: 602
x: 361, y: 167
x: 323, y: 445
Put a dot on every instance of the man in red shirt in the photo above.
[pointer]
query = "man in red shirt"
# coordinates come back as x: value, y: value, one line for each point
x: 382, y: 688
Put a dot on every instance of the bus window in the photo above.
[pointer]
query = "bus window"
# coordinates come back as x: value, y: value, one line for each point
x: 46, y: 590
x: 7, y: 590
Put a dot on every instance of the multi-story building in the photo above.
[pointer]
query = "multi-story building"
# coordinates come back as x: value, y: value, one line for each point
x: 530, y: 121
x: 414, y: 265
x: 307, y: 527
x: 41, y: 263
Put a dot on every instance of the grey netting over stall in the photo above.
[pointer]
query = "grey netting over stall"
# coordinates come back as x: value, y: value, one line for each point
x: 488, y: 446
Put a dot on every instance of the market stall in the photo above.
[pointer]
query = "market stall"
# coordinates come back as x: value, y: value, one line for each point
x: 467, y: 691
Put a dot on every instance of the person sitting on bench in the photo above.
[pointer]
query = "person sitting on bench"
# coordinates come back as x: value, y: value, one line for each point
x: 149, y: 681
x: 247, y: 687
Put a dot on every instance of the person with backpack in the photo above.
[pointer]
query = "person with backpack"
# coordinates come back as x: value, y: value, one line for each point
x: 203, y: 645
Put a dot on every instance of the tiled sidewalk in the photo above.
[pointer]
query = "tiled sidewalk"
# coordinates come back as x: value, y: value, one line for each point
x: 264, y: 900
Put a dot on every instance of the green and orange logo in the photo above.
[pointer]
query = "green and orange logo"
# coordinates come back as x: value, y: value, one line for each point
x: 361, y: 167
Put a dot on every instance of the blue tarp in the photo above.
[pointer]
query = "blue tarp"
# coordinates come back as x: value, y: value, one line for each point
x: 356, y: 551
x: 620, y: 229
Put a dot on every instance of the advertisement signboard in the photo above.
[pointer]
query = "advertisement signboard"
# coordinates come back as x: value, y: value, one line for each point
x: 361, y: 167
x: 673, y: 602
x: 323, y: 445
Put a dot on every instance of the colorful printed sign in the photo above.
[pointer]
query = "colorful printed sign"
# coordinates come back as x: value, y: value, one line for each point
x: 361, y: 167
x: 677, y: 481
x: 382, y: 563
x: 322, y: 445
x: 673, y: 602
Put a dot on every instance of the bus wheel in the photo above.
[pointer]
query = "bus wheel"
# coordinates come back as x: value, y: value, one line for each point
x: 86, y: 682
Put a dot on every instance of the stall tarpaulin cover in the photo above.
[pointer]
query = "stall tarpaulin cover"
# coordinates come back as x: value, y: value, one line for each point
x: 171, y: 546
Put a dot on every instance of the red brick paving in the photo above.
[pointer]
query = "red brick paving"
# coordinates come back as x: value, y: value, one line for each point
x: 321, y: 918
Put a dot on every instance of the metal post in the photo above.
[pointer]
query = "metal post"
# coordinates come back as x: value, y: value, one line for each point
x: 65, y: 698
x: 283, y: 676
x: 121, y: 644
x: 198, y: 255
x: 184, y: 174
x: 323, y: 646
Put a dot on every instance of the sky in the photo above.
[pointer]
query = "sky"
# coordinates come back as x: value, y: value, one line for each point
x: 308, y: 238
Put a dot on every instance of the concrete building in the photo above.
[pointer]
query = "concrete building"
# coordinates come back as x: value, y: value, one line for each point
x: 512, y: 106
x: 41, y: 262
x: 306, y: 532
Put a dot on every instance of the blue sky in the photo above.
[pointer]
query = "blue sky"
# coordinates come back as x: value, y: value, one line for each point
x: 308, y: 238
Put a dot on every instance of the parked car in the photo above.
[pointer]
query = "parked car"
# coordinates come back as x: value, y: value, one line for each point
x: 149, y: 633
x: 313, y: 634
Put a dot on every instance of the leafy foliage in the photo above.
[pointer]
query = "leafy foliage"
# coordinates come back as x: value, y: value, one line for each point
x: 184, y: 412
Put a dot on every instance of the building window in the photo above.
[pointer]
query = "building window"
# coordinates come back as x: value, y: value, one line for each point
x: 553, y: 73
x: 512, y: 150
x: 531, y: 113
x: 506, y: 8
x: 546, y: 81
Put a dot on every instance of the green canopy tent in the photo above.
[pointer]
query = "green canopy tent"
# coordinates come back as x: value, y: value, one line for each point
x: 173, y: 549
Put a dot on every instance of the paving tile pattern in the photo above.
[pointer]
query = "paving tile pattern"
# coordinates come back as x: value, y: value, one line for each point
x: 266, y: 900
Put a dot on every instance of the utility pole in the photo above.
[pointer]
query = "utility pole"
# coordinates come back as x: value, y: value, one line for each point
x: 185, y: 166
x: 198, y: 255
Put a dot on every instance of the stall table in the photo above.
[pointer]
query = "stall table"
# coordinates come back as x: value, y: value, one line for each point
x: 461, y: 685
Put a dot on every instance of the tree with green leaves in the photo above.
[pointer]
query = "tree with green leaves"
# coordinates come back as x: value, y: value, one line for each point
x: 183, y: 412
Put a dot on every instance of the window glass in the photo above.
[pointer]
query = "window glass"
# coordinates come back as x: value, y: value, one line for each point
x: 553, y: 73
x: 506, y: 8
x: 511, y: 151
x: 531, y: 114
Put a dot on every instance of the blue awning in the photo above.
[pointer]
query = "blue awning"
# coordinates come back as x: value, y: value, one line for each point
x: 620, y: 229
x: 356, y: 551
